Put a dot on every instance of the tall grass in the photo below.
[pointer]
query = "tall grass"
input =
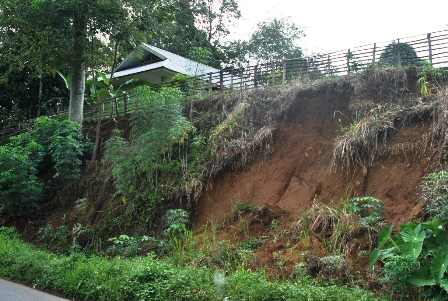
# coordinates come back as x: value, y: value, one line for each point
x: 147, y: 278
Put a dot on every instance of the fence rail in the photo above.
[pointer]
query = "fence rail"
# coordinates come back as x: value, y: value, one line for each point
x: 431, y: 48
x: 411, y: 51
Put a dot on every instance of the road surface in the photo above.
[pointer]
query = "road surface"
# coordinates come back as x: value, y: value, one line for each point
x: 10, y: 291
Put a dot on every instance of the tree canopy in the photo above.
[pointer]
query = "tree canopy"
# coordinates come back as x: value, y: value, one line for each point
x: 275, y: 40
x: 399, y: 54
x: 75, y: 35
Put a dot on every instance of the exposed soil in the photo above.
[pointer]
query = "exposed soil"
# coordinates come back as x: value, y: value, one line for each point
x: 298, y: 171
x: 298, y: 174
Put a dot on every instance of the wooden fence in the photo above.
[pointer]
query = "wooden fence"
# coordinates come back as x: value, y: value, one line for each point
x: 429, y: 48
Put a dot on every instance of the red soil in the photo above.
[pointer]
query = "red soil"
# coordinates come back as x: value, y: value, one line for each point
x: 298, y: 171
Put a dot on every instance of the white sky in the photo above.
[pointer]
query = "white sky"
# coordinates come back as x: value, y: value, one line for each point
x: 341, y: 24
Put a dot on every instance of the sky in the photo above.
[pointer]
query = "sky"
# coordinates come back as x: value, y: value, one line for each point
x: 341, y: 24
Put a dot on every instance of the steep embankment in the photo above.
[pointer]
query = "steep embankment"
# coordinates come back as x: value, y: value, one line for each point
x: 298, y: 171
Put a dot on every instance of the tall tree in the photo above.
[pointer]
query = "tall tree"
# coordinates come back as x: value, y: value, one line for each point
x: 181, y: 35
x: 52, y: 35
x: 275, y: 40
x: 198, y: 24
x: 215, y: 17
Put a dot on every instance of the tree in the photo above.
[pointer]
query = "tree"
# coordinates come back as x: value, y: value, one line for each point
x: 275, y: 40
x: 236, y: 54
x: 214, y: 17
x: 181, y: 35
x: 73, y: 35
x: 399, y: 54
x: 198, y: 24
x: 23, y: 96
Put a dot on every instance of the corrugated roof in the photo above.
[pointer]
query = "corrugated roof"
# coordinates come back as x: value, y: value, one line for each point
x: 169, y: 61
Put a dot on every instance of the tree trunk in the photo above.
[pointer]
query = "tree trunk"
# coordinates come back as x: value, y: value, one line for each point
x: 76, y: 106
x: 77, y: 70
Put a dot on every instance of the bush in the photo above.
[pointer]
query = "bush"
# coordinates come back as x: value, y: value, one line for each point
x: 20, y: 189
x: 415, y: 260
x: 155, y: 157
x: 49, y: 144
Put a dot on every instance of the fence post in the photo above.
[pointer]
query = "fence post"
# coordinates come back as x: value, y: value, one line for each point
x: 307, y: 66
x: 273, y: 73
x: 221, y: 80
x: 348, y: 61
x: 430, y: 48
x: 210, y: 82
x: 125, y: 103
x: 374, y: 53
x: 116, y: 106
x: 256, y: 76
x: 398, y: 53
x: 328, y: 64
x: 284, y: 73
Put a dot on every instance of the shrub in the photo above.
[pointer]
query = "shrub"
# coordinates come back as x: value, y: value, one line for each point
x: 20, y: 189
x: 416, y: 259
x: 176, y: 222
x: 155, y: 157
x: 242, y: 207
x: 50, y: 143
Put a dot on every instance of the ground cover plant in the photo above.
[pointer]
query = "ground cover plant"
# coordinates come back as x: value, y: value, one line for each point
x: 415, y: 260
x: 148, y: 278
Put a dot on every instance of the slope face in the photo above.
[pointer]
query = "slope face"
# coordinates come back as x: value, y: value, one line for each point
x: 297, y: 173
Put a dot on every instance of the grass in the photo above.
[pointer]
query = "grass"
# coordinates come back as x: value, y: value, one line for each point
x: 148, y: 278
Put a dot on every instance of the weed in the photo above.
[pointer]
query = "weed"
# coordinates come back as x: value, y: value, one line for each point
x: 434, y: 194
x: 176, y: 222
x: 242, y: 207
x: 274, y: 224
x: 252, y: 243
x: 9, y: 232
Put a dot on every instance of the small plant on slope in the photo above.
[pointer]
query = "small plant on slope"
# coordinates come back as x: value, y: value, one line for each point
x: 434, y: 190
x: 418, y: 254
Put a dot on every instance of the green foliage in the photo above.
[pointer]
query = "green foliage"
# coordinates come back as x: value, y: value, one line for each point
x: 155, y: 159
x: 49, y: 144
x: 396, y: 54
x: 434, y: 194
x: 176, y: 222
x: 429, y: 77
x: 20, y: 189
x: 369, y: 208
x: 127, y: 246
x: 275, y: 40
x: 242, y: 207
x: 9, y: 232
x: 417, y: 255
x: 252, y: 243
x: 148, y: 278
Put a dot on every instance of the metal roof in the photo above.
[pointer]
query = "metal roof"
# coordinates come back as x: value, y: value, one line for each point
x: 170, y: 61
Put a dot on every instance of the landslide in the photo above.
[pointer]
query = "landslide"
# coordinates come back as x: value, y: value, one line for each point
x: 299, y: 168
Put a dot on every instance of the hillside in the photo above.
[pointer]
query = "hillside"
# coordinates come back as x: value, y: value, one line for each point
x: 298, y: 170
x: 278, y: 183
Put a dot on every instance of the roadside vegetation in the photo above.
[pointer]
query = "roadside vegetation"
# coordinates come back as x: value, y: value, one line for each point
x: 149, y: 278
